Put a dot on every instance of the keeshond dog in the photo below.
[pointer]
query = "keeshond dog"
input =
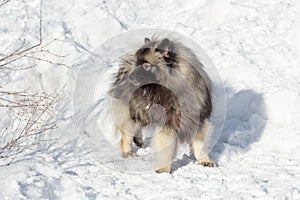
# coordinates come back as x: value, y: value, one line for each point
x: 163, y: 72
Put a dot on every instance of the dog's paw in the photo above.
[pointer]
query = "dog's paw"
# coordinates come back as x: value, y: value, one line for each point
x: 128, y: 154
x: 206, y: 163
x: 163, y: 169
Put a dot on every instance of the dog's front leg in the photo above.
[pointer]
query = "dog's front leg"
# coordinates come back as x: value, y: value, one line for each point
x: 164, y: 144
x: 126, y: 145
x: 128, y: 131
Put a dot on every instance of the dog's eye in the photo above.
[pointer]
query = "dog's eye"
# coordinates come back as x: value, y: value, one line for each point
x: 147, y: 66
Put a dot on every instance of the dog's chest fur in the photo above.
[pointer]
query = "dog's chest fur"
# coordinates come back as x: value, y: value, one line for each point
x: 150, y: 95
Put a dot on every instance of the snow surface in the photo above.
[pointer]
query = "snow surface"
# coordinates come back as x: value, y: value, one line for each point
x: 255, y: 47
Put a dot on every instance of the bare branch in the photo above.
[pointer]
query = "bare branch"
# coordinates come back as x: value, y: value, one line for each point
x: 35, y: 116
x: 45, y: 60
x: 30, y: 115
x: 4, y: 2
x: 19, y: 51
x: 7, y: 62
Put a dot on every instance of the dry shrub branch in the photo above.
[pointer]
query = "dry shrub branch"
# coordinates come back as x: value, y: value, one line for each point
x: 30, y: 115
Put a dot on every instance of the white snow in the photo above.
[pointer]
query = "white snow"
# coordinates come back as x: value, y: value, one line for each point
x: 255, y: 48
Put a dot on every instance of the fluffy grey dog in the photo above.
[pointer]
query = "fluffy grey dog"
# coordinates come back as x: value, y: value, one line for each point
x: 166, y: 73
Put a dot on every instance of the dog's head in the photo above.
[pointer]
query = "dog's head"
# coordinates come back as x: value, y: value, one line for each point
x: 153, y: 61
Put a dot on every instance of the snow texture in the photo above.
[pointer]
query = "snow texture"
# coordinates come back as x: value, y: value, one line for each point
x: 255, y: 48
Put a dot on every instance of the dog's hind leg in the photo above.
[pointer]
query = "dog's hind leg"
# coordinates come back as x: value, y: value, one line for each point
x: 164, y: 144
x: 138, y: 138
x: 200, y: 148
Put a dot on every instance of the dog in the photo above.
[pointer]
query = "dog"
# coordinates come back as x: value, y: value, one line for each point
x: 167, y: 76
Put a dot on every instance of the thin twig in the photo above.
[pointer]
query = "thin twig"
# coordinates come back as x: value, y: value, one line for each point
x: 5, y: 2
x: 19, y: 52
x: 48, y: 61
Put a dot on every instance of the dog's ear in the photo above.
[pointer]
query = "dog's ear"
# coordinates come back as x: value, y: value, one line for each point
x: 121, y: 73
x: 147, y: 40
x: 166, y: 47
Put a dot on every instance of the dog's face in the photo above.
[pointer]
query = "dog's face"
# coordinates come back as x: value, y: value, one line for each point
x: 153, y: 61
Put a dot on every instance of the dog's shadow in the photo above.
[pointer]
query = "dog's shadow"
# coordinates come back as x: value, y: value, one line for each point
x: 244, y: 124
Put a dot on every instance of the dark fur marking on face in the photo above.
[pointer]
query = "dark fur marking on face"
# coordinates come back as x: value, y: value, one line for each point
x: 140, y: 55
x: 167, y: 49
